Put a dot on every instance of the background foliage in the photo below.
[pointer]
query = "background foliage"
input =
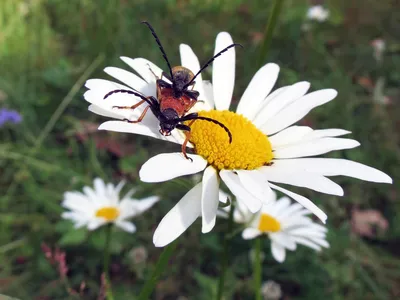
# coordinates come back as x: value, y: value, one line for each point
x: 49, y: 48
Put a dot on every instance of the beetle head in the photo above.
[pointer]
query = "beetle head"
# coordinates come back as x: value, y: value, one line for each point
x: 167, y: 122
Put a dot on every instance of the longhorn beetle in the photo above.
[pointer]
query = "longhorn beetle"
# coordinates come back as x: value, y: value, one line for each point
x: 174, y: 99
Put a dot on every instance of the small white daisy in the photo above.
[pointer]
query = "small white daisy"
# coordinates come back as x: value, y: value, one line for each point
x: 271, y: 290
x: 101, y: 205
x: 317, y: 13
x: 284, y: 223
x: 265, y: 146
x: 379, y: 46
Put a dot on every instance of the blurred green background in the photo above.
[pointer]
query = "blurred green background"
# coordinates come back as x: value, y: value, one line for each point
x: 49, y: 48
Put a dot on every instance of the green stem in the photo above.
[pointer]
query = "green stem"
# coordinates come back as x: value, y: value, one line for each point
x: 257, y: 269
x: 272, y: 20
x: 106, y: 262
x: 225, y: 254
x: 160, y: 267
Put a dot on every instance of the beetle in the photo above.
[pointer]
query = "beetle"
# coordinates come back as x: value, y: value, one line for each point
x: 174, y: 100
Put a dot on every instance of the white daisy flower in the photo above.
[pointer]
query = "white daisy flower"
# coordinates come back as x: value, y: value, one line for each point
x: 318, y: 13
x: 265, y: 147
x: 101, y: 205
x: 284, y: 223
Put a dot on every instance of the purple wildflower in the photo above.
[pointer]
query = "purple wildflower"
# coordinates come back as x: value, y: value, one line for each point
x: 10, y: 116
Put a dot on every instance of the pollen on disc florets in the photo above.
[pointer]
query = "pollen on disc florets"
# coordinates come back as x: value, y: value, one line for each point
x: 249, y: 150
x: 268, y: 223
x: 108, y: 213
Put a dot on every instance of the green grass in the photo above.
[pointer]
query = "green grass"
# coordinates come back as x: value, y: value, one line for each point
x: 48, y: 51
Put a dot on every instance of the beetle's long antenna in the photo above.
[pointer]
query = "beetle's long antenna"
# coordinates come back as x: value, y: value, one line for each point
x: 129, y: 92
x: 210, y: 61
x: 160, y: 46
x: 194, y: 117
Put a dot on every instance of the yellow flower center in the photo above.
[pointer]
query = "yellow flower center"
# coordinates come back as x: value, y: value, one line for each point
x: 109, y: 213
x: 268, y: 224
x: 249, y: 150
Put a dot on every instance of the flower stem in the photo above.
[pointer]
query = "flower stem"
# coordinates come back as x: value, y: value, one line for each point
x: 225, y: 254
x: 160, y: 267
x: 272, y: 20
x: 257, y: 269
x: 106, y: 262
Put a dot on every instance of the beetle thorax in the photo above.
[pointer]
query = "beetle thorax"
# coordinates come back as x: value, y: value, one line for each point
x: 182, y: 76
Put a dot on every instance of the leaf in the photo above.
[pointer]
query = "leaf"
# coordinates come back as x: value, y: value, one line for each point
x: 73, y: 237
x: 208, y: 285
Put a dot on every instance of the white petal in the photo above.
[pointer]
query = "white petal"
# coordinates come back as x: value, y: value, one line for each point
x: 275, y: 209
x: 290, y: 210
x: 104, y: 112
x: 256, y: 183
x: 289, y: 135
x: 92, y: 194
x: 241, y: 214
x: 258, y: 89
x: 96, y: 223
x: 208, y: 91
x: 127, y: 226
x: 138, y: 128
x: 318, y: 227
x: 223, y: 197
x: 209, y: 199
x: 118, y: 99
x: 142, y: 205
x: 331, y: 132
x: 129, y: 194
x: 278, y: 252
x: 335, y: 167
x: 297, y: 110
x: 298, y: 177
x: 179, y: 218
x: 127, y: 209
x: 129, y: 79
x: 320, y: 241
x: 303, y: 201
x: 300, y: 134
x: 300, y: 218
x: 307, y: 232
x: 233, y: 183
x: 315, y: 147
x: 80, y: 224
x: 270, y: 98
x: 119, y: 187
x: 223, y: 76
x: 280, y: 102
x: 76, y: 201
x: 103, y: 86
x: 96, y: 97
x: 283, y: 240
x: 306, y: 242
x: 79, y: 219
x: 142, y: 67
x: 99, y: 186
x: 250, y: 233
x: 166, y: 166
x: 189, y: 60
